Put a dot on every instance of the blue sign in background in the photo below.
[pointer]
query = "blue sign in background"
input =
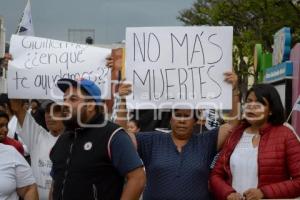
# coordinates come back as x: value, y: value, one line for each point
x: 279, y: 72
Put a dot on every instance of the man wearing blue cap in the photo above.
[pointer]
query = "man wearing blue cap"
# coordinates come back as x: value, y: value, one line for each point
x: 94, y: 156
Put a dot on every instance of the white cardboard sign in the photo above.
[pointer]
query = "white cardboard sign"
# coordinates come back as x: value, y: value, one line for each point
x: 38, y: 63
x: 179, y: 65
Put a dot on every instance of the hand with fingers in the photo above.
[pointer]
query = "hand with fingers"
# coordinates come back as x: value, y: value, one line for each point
x: 235, y: 196
x: 124, y: 89
x: 231, y: 77
x: 253, y: 194
x: 115, y: 59
x: 109, y: 61
x: 7, y: 57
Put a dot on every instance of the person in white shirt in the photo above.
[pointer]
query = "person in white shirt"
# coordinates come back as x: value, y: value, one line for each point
x: 16, y: 177
x: 39, y: 141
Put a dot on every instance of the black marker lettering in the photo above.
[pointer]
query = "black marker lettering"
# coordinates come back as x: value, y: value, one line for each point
x: 158, y: 48
x: 143, y: 81
x: 154, y: 85
x: 201, y: 82
x: 213, y: 80
x: 197, y: 38
x: 182, y: 82
x: 185, y: 40
x: 20, y: 80
x: 142, y: 49
x: 218, y: 46
x: 167, y: 82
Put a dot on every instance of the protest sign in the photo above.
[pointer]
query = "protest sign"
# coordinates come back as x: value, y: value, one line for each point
x: 38, y: 63
x: 179, y: 65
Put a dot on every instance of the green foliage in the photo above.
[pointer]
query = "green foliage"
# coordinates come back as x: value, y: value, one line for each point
x: 254, y: 21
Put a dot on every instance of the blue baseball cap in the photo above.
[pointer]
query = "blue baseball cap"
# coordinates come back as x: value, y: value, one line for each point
x: 88, y: 86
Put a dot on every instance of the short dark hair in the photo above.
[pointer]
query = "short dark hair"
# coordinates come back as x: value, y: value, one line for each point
x: 194, y: 112
x: 89, y: 40
x: 3, y: 105
x: 136, y: 122
x: 268, y: 92
x: 4, y: 98
x: 54, y: 107
x: 4, y: 114
x: 36, y: 101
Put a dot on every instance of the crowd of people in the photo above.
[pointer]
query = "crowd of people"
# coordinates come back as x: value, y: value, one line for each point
x: 72, y: 151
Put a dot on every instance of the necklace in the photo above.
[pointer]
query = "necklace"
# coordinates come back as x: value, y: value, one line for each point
x: 253, y: 132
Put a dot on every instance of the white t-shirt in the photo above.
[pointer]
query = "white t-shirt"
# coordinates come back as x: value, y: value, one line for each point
x: 14, y: 128
x: 39, y: 143
x: 243, y: 164
x: 15, y: 172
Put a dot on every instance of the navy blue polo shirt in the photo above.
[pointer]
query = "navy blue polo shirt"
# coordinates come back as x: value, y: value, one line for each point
x: 177, y: 175
x: 123, y: 154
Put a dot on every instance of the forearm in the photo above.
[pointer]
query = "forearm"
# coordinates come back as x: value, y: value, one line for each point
x: 50, y: 197
x: 233, y: 120
x: 135, y: 184
x: 31, y: 195
x: 121, y: 118
x: 28, y: 192
x: 18, y: 109
x: 133, y: 190
x: 219, y: 187
x: 234, y: 115
x: 275, y: 191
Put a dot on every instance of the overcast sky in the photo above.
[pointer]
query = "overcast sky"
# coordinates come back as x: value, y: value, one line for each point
x: 109, y: 18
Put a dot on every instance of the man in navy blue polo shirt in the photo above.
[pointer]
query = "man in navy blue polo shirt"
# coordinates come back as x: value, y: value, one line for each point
x: 89, y: 161
x: 178, y: 164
